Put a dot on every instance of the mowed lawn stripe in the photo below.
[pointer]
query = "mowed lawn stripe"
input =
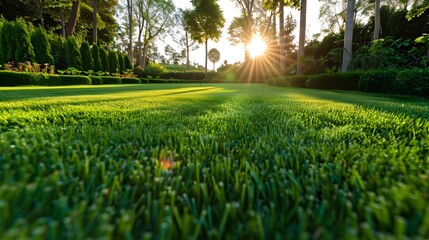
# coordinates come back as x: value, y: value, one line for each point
x: 211, y: 161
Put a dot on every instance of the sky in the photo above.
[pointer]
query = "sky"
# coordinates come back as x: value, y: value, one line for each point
x: 236, y: 53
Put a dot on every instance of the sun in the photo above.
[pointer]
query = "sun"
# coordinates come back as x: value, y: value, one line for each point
x: 256, y: 47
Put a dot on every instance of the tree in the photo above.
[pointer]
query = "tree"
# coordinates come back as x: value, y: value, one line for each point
x: 24, y: 50
x: 214, y: 56
x: 95, y: 53
x: 377, y: 24
x: 205, y: 22
x: 7, y: 42
x: 74, y: 15
x: 87, y: 61
x: 94, y: 21
x: 127, y: 62
x: 74, y: 58
x: 113, y: 62
x: 121, y: 63
x: 348, y: 35
x: 104, y: 59
x: 42, y: 47
x: 185, y: 38
x: 301, y: 43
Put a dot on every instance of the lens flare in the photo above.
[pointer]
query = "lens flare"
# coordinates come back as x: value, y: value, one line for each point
x: 256, y: 47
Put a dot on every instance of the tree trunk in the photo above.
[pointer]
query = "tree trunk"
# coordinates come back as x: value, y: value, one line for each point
x: 94, y: 21
x: 143, y: 62
x: 348, y: 35
x: 282, y: 37
x: 302, y: 28
x: 130, y: 22
x: 377, y: 25
x: 73, y: 18
x: 63, y: 23
x: 42, y: 21
x: 187, y: 49
x: 205, y: 68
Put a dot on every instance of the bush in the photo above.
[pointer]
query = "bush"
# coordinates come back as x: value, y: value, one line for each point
x: 289, y: 81
x: 58, y: 51
x: 42, y: 47
x: 139, y: 71
x: 155, y: 70
x: 74, y: 58
x: 379, y: 81
x: 95, y: 53
x: 111, y: 80
x: 413, y: 82
x: 151, y: 80
x: 279, y: 81
x: 96, y: 80
x: 7, y: 42
x: 8, y: 78
x: 131, y: 80
x: 335, y: 81
x: 184, y: 75
x: 127, y: 62
x: 121, y: 65
x: 87, y: 61
x: 75, y: 80
x: 144, y: 80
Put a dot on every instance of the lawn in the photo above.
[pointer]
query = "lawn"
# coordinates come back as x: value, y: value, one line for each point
x: 211, y: 162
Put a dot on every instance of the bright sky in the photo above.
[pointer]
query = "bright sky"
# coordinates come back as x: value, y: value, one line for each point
x: 236, y: 53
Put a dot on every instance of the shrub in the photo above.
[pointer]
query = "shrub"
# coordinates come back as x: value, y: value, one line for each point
x: 139, y: 71
x: 279, y: 81
x: 159, y: 80
x: 335, y: 81
x: 42, y: 47
x: 8, y: 78
x: 155, y: 70
x: 96, y: 80
x: 298, y: 81
x: 111, y: 80
x: 24, y: 50
x: 74, y: 58
x: 51, y: 80
x: 113, y: 62
x: 379, y: 81
x: 144, y: 80
x: 413, y: 82
x: 185, y: 75
x: 104, y: 59
x: 87, y: 61
x: 7, y: 42
x: 95, y: 53
x: 131, y: 80
x: 75, y: 80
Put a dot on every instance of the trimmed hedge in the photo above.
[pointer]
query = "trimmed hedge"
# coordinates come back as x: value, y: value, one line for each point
x: 335, y: 81
x: 111, y: 80
x: 184, y: 75
x: 413, y: 82
x: 8, y: 78
x: 379, y: 81
x: 131, y: 80
x: 289, y: 81
x: 279, y: 81
x: 96, y: 80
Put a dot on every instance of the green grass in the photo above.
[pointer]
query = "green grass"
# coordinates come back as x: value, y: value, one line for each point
x: 211, y: 162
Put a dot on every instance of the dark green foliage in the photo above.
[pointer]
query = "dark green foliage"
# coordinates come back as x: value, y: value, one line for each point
x: 59, y: 52
x: 289, y: 81
x: 155, y: 70
x: 113, y: 62
x: 8, y: 78
x: 95, y: 53
x: 74, y: 58
x: 24, y: 50
x: 75, y: 80
x: 96, y: 80
x: 381, y: 81
x: 121, y: 62
x: 42, y: 47
x: 413, y: 82
x: 127, y: 62
x: 131, y: 80
x: 7, y: 42
x: 104, y: 59
x: 139, y: 71
x: 279, y: 81
x: 335, y: 81
x: 87, y: 61
x: 111, y: 80
x: 184, y: 75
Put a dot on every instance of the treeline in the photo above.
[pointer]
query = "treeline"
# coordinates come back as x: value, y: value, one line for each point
x: 23, y: 47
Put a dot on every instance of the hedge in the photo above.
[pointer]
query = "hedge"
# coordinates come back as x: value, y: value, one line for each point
x: 335, y: 81
x: 379, y: 81
x: 289, y: 81
x: 131, y: 80
x: 111, y: 80
x: 279, y: 81
x: 184, y: 75
x: 413, y: 82
x: 8, y: 78
x: 96, y: 80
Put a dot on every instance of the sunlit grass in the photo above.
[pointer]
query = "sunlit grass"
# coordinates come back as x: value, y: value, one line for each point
x: 211, y: 161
